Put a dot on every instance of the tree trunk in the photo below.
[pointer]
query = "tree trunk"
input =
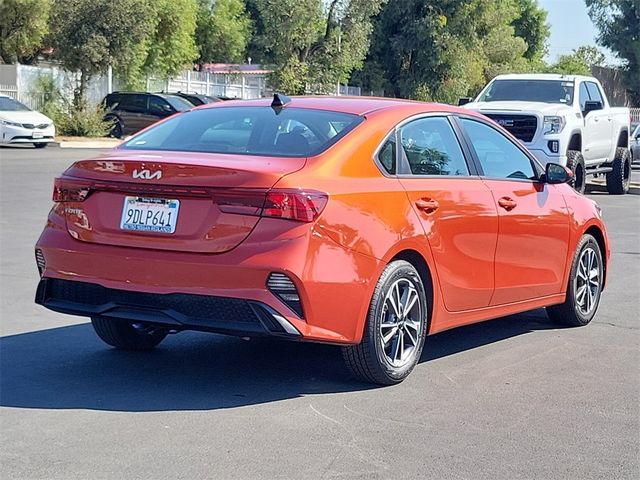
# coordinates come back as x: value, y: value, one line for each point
x: 79, y: 95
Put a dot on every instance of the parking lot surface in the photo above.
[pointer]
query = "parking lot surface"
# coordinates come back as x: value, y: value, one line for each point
x: 513, y: 398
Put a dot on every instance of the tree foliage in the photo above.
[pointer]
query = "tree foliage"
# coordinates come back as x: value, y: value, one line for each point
x: 223, y: 29
x: 579, y: 62
x: 23, y: 25
x: 313, y: 44
x: 90, y: 36
x: 618, y: 22
x: 440, y: 50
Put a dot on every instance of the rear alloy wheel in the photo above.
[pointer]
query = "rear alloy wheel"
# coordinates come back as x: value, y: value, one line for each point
x: 619, y: 178
x: 395, y: 330
x: 584, y: 288
x: 127, y: 335
x: 575, y: 163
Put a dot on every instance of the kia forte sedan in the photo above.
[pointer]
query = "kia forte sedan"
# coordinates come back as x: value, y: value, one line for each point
x: 366, y: 223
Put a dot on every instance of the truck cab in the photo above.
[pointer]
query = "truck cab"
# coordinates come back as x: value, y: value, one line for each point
x: 563, y: 119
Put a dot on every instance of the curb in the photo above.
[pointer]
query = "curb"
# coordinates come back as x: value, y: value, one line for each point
x: 85, y: 144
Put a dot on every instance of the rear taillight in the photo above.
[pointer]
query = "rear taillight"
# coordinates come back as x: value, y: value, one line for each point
x: 300, y: 205
x: 70, y: 190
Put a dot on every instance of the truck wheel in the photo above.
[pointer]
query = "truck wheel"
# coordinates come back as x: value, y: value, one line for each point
x: 575, y: 162
x: 618, y: 179
x: 127, y: 335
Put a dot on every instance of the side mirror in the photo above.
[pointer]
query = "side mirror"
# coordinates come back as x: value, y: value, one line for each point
x: 556, y: 173
x: 591, y: 105
x: 464, y: 100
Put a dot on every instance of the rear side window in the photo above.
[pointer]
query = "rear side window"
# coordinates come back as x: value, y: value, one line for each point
x: 290, y: 132
x: 431, y: 147
x: 387, y: 156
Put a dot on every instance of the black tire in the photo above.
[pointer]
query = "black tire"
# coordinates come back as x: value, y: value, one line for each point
x: 40, y: 145
x: 123, y: 335
x: 571, y: 312
x: 619, y: 178
x: 369, y: 361
x: 575, y: 163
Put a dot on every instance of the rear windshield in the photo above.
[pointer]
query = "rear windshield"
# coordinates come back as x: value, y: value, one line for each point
x: 547, y: 91
x: 291, y: 132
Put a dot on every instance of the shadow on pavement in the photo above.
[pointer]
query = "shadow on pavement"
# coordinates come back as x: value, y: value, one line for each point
x: 69, y: 368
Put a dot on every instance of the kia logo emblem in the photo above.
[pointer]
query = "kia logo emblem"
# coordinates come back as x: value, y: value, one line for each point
x: 147, y: 175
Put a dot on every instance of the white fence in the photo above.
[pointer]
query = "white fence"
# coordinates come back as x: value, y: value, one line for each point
x: 215, y: 84
x: 33, y: 100
x: 635, y: 115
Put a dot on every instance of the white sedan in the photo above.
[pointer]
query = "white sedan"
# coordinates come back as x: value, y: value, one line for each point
x: 20, y: 124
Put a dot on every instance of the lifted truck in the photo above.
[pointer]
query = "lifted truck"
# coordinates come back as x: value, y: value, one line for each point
x: 563, y: 119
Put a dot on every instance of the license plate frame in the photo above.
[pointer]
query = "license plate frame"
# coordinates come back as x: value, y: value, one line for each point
x: 149, y: 215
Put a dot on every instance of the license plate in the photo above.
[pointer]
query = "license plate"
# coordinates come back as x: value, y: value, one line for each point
x: 142, y: 214
x: 37, y: 134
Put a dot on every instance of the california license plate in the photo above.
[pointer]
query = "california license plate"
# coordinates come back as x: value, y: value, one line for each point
x: 37, y: 134
x: 142, y: 214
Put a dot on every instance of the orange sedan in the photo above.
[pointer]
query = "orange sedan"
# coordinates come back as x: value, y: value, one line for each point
x: 369, y: 223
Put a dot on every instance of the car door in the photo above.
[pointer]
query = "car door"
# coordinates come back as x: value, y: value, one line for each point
x: 157, y: 109
x: 597, y: 129
x: 456, y: 210
x: 130, y: 111
x: 533, y: 237
x: 603, y: 118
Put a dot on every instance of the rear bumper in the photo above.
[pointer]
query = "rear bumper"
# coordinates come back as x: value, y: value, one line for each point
x: 334, y: 283
x: 177, y: 311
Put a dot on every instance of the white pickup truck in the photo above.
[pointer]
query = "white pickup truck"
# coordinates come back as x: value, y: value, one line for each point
x: 562, y: 119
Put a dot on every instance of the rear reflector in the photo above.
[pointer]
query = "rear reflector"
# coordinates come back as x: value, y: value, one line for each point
x: 40, y: 262
x: 283, y: 288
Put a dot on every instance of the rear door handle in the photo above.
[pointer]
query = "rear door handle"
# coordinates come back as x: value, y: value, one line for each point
x: 427, y: 205
x: 507, y: 203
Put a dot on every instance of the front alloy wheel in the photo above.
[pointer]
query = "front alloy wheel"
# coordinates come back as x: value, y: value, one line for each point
x: 396, y: 327
x: 584, y: 286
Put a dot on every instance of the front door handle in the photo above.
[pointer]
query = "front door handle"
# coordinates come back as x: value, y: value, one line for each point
x: 427, y: 205
x: 507, y: 203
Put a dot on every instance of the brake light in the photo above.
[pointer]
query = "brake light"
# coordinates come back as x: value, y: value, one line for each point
x: 300, y: 205
x: 70, y: 190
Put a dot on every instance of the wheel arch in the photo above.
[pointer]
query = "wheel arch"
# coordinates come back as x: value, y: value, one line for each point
x: 575, y: 142
x: 596, y: 233
x: 623, y: 138
x: 416, y: 259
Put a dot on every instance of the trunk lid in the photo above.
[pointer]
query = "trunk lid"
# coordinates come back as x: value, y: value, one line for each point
x: 201, y: 202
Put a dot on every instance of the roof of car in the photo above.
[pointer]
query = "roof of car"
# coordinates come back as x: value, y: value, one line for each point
x: 352, y: 105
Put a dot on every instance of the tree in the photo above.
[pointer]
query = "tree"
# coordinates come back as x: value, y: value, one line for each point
x: 223, y: 29
x: 579, y: 62
x: 618, y: 22
x: 90, y: 36
x: 23, y: 25
x: 441, y: 50
x: 313, y: 43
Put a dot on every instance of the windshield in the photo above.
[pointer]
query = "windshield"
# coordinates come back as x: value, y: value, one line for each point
x: 546, y: 91
x: 288, y: 132
x: 10, y: 105
x: 179, y: 103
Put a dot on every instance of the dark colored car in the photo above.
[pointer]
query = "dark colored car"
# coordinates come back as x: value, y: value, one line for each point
x: 197, y: 98
x: 133, y: 111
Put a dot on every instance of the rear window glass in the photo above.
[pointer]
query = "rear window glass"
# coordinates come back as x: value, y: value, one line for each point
x: 292, y: 132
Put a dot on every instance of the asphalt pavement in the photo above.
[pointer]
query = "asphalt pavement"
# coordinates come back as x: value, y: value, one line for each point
x: 513, y: 398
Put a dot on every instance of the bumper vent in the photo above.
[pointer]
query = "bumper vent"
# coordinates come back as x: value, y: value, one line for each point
x: 40, y: 262
x: 283, y: 288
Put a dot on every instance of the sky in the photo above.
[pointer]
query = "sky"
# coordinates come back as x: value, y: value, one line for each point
x: 571, y: 27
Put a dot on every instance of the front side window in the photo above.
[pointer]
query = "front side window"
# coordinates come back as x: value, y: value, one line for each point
x: 584, y: 96
x: 594, y: 92
x: 499, y: 157
x: 431, y: 147
x: 290, y: 132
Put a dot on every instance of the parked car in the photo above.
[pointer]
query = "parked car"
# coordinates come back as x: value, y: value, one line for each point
x: 20, y: 124
x: 635, y: 144
x: 564, y: 119
x: 198, y: 99
x: 133, y: 111
x: 368, y: 223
